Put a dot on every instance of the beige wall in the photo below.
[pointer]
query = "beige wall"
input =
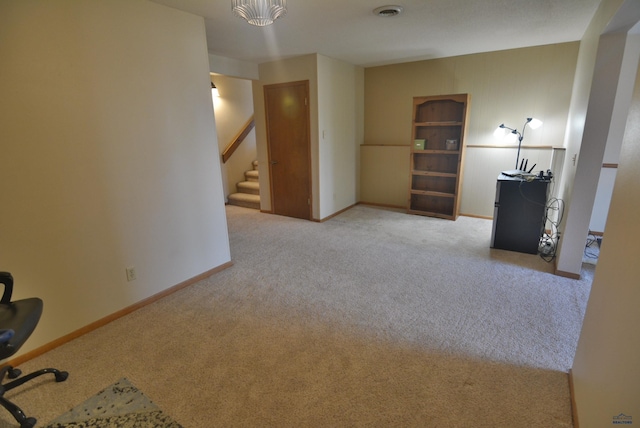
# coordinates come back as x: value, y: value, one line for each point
x: 291, y: 70
x: 505, y: 87
x: 109, y: 155
x: 233, y: 108
x: 233, y: 67
x: 606, y: 372
x: 335, y: 107
x: 383, y: 174
x: 582, y: 89
x: 590, y: 121
x: 340, y: 124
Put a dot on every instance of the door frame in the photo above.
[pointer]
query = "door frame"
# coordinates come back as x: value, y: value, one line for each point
x: 306, y: 85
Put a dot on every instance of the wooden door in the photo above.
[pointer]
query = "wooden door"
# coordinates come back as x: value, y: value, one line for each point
x: 287, y: 117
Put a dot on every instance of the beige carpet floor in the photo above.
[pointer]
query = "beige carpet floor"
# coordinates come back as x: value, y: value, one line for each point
x: 374, y: 318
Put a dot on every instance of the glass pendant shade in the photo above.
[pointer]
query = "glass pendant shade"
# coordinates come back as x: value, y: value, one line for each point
x: 259, y: 12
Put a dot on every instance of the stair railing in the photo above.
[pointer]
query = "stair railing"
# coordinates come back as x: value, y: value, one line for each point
x: 239, y: 138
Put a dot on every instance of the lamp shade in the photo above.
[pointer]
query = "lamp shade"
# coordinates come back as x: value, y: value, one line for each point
x: 500, y: 132
x: 511, y: 137
x: 534, y: 123
x: 259, y: 12
x: 514, y: 136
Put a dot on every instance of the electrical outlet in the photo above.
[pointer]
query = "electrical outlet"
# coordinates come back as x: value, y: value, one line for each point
x: 131, y: 273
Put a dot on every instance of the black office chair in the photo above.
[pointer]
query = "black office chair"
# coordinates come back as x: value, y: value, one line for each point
x: 17, y: 321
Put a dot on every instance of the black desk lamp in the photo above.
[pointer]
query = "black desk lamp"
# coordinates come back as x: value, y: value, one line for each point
x: 500, y: 132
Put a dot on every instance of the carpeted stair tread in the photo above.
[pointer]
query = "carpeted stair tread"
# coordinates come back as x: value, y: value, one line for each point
x: 250, y: 187
x: 245, y: 200
x: 252, y: 175
x: 248, y: 195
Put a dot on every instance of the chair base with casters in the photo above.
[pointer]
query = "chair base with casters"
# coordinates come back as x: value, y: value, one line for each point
x: 18, y: 319
x: 12, y: 373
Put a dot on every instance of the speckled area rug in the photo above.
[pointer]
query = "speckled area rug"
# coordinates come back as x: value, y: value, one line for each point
x: 120, y: 405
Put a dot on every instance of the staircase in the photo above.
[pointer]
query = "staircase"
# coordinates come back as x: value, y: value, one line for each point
x: 248, y: 195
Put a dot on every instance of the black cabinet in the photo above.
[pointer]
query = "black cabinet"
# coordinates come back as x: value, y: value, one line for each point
x: 519, y: 213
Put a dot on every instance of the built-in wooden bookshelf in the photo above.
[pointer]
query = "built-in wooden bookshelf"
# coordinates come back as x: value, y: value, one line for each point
x: 438, y: 130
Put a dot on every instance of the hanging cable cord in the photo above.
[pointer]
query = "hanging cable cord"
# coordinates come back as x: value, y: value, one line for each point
x: 588, y: 249
x: 548, y: 245
x: 549, y: 240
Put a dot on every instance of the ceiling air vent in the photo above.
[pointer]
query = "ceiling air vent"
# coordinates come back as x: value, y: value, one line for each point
x: 386, y: 11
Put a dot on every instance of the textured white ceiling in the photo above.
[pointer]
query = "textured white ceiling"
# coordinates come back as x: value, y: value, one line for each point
x: 348, y: 30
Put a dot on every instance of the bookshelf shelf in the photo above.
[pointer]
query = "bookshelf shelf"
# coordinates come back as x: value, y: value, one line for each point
x: 438, y: 129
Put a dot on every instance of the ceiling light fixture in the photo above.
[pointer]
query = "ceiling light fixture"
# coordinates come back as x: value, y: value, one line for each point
x: 387, y: 11
x: 259, y: 12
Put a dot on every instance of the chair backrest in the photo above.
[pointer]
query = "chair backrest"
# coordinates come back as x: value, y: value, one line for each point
x: 20, y: 316
x: 6, y: 279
